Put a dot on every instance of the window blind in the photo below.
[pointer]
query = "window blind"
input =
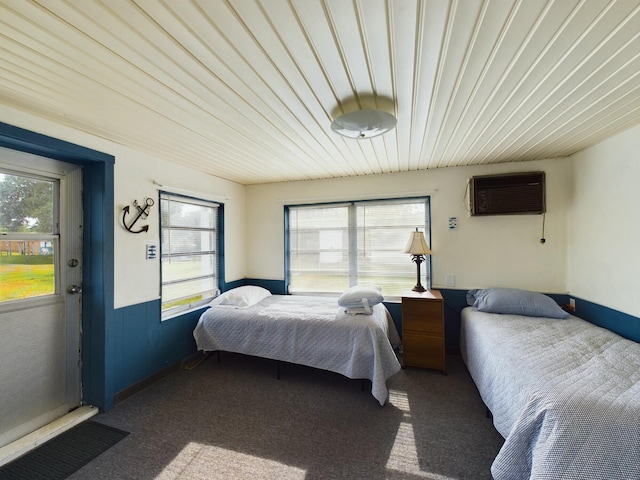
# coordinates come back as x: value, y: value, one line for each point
x: 334, y: 246
x: 189, y: 252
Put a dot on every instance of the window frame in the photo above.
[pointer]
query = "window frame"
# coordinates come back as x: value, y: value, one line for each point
x: 53, y: 237
x: 218, y: 250
x: 426, y: 265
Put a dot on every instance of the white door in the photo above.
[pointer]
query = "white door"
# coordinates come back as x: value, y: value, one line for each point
x: 40, y: 291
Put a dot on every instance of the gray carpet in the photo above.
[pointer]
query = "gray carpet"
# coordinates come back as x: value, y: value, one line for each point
x: 235, y: 420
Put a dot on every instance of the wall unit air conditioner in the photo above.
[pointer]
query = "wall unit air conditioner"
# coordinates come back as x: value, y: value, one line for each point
x: 508, y: 194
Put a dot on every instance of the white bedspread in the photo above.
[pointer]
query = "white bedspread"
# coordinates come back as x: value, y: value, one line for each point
x: 565, y: 394
x: 309, y: 331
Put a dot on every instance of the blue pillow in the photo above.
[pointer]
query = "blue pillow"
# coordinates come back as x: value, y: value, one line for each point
x: 515, y: 302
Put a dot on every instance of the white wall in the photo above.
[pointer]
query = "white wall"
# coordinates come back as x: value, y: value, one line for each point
x: 482, y: 252
x: 137, y: 279
x: 604, y: 223
x: 592, y: 226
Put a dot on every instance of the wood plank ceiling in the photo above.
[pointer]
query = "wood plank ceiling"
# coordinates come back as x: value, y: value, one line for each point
x: 246, y: 89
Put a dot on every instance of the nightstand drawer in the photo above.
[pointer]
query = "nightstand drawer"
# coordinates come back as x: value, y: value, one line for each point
x: 422, y: 316
x: 422, y: 324
x: 424, y: 351
x: 420, y: 307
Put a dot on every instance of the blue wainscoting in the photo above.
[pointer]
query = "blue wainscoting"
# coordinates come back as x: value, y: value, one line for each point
x: 455, y: 300
x: 139, y: 344
x: 277, y: 287
x: 143, y: 345
x: 623, y: 324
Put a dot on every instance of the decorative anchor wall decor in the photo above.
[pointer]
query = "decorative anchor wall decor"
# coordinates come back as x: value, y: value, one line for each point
x: 142, y: 212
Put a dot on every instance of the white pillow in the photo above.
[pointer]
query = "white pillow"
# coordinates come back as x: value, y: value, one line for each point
x: 360, y: 297
x: 241, y: 297
x: 358, y: 311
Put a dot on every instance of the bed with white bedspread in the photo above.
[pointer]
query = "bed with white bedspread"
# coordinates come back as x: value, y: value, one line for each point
x: 311, y: 331
x: 564, y: 393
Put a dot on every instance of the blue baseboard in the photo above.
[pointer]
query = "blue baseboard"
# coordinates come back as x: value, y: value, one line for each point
x: 623, y: 324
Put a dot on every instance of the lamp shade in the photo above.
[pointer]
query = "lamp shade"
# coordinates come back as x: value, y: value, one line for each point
x: 363, y: 124
x: 417, y: 244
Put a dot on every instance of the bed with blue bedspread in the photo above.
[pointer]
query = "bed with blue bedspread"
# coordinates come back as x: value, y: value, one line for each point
x: 564, y: 393
x: 357, y: 339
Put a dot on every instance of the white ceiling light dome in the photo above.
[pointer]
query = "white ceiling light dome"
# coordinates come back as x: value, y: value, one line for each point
x: 362, y: 124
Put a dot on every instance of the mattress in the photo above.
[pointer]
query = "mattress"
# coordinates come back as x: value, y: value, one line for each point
x: 565, y: 395
x: 311, y: 331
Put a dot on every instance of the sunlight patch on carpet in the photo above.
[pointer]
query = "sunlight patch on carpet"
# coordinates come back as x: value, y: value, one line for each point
x: 404, y: 453
x: 196, y: 460
x: 404, y: 456
x: 399, y: 400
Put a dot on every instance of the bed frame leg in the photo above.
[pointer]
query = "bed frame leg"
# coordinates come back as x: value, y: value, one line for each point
x: 362, y: 384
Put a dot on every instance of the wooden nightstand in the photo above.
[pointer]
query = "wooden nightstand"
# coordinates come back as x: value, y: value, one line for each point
x: 423, y: 330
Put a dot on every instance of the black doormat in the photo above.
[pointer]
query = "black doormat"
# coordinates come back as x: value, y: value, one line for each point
x: 61, y: 456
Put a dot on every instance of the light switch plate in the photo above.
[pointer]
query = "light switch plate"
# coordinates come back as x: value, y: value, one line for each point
x: 152, y: 250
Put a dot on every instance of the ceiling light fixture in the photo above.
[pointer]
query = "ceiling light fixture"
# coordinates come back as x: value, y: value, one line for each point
x: 363, y: 124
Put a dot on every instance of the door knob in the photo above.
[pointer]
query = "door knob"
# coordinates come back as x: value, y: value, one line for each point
x: 74, y: 289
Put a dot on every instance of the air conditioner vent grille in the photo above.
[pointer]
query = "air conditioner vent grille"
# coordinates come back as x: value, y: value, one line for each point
x: 510, y: 194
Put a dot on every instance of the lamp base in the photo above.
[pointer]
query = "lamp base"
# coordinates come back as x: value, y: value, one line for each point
x: 418, y: 259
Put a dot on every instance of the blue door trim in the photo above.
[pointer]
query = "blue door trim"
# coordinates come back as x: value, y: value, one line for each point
x: 98, y: 258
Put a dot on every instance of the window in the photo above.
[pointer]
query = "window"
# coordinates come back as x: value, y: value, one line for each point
x: 189, y: 251
x: 332, y: 247
x: 28, y: 237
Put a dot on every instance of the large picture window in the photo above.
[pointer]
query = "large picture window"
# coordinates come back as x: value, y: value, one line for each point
x: 332, y: 247
x: 189, y: 252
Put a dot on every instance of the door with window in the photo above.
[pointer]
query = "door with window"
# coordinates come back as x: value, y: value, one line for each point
x: 40, y: 291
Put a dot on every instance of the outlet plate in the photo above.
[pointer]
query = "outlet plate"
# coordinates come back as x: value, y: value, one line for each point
x: 572, y: 303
